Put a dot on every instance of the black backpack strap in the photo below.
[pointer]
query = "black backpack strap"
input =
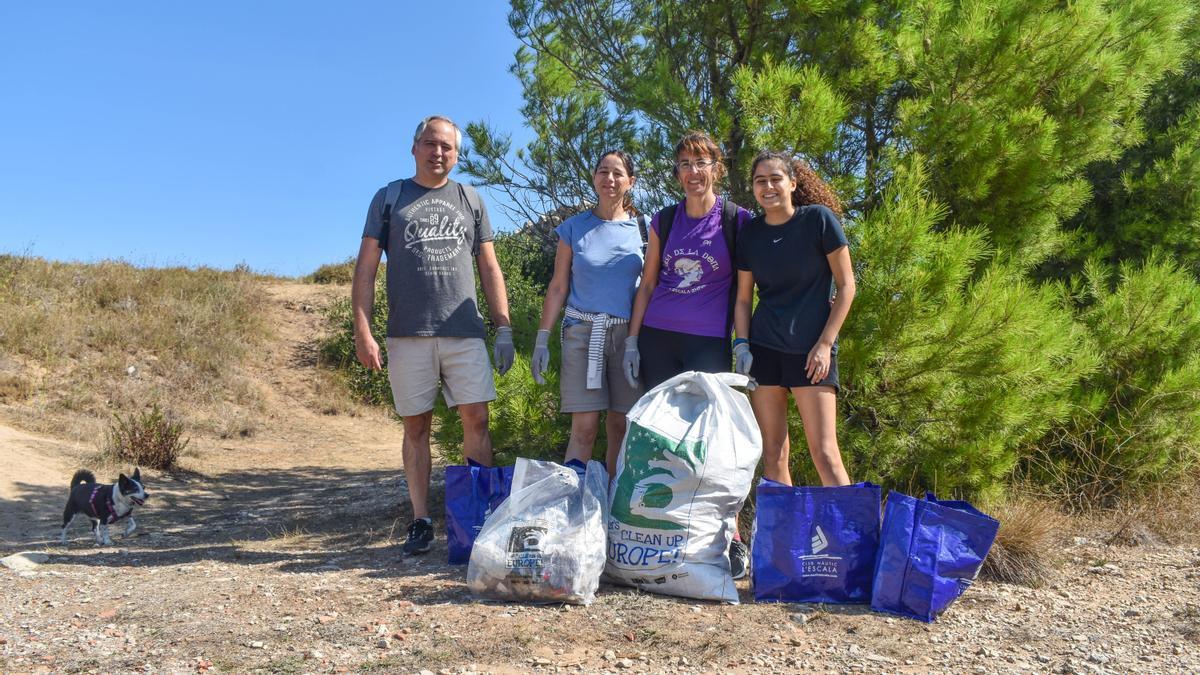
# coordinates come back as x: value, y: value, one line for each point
x: 471, y: 196
x: 666, y: 218
x: 391, y: 195
x: 643, y: 223
x: 729, y: 228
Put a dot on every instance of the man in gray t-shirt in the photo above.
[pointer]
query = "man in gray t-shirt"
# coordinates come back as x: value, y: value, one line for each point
x: 436, y: 233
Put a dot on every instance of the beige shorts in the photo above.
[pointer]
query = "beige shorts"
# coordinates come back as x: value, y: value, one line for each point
x: 416, y: 364
x: 614, y: 392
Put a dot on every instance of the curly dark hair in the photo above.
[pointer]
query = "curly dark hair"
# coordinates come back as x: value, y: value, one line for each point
x: 810, y: 189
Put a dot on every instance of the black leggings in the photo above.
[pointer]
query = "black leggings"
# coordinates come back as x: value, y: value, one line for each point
x: 666, y: 354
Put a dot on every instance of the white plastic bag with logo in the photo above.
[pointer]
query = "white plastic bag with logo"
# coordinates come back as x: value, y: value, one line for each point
x: 545, y: 543
x: 684, y: 471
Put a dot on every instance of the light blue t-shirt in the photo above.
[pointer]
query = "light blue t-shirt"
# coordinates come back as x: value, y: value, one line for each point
x: 606, y: 263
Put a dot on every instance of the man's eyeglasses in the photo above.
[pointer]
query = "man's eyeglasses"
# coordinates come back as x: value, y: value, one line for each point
x: 698, y: 165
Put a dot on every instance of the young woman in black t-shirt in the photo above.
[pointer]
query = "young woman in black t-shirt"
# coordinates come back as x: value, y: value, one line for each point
x: 794, y: 253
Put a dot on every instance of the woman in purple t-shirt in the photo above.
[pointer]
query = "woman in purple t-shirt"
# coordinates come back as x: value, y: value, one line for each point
x: 681, y: 313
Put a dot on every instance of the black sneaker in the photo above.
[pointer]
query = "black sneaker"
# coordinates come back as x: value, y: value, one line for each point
x: 739, y: 559
x: 420, y: 536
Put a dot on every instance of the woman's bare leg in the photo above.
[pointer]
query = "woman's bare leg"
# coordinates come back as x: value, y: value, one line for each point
x: 770, y: 409
x: 818, y: 413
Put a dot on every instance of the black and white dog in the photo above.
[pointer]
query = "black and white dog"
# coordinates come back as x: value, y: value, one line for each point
x: 103, y: 504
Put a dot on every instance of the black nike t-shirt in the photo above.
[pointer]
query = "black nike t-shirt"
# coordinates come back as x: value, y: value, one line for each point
x: 793, y: 276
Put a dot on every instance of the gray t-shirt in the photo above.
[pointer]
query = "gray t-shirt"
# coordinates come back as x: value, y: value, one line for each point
x: 431, y: 247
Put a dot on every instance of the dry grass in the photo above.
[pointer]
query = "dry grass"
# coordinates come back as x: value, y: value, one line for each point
x: 1169, y: 514
x: 1030, y: 532
x: 111, y: 337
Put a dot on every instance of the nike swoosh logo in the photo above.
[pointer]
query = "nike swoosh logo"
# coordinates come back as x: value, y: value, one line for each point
x: 777, y: 240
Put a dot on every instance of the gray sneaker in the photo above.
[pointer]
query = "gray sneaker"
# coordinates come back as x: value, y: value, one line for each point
x: 739, y: 559
x: 420, y: 537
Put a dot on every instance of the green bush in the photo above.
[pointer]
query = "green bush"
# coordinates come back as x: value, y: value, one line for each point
x: 337, y: 350
x: 333, y: 273
x: 150, y: 439
x: 948, y: 373
x: 339, y: 273
x: 1135, y: 420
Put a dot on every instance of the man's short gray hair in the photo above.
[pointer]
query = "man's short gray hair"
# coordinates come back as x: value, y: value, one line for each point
x: 434, y: 118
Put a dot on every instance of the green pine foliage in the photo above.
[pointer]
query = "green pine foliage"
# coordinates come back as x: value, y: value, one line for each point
x: 946, y: 374
x: 1016, y: 97
x: 1020, y: 180
x: 1135, y: 420
x: 1149, y: 198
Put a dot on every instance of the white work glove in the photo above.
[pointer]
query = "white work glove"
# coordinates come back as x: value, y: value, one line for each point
x: 541, y: 356
x: 742, y: 358
x: 631, y: 363
x: 503, y: 351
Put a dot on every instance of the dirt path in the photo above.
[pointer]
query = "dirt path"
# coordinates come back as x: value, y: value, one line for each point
x: 32, y: 483
x: 279, y: 552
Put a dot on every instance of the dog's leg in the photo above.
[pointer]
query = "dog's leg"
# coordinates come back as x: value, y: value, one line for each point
x: 96, y: 532
x: 130, y: 527
x: 104, y: 535
x: 68, y: 516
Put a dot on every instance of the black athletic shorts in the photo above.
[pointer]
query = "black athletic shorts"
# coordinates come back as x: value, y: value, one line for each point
x: 774, y: 368
x: 666, y: 353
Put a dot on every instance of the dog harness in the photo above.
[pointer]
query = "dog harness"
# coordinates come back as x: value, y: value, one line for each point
x: 109, y: 515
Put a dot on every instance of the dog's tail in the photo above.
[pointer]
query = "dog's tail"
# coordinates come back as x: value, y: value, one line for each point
x: 82, y: 476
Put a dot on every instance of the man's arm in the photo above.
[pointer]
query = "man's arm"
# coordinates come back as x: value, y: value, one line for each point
x: 492, y: 280
x: 362, y: 301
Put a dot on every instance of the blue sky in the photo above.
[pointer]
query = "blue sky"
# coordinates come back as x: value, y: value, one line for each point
x: 216, y: 133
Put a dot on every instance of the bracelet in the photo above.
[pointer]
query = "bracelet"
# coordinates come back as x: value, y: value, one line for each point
x: 738, y: 341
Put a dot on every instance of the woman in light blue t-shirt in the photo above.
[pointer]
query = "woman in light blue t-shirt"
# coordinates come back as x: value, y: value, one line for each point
x: 597, y: 266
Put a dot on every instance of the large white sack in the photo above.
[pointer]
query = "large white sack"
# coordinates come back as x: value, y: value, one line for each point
x: 685, y: 469
x: 545, y: 543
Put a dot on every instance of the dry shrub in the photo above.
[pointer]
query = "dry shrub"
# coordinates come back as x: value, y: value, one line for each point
x: 148, y: 439
x: 1030, y: 532
x: 14, y: 388
x: 1166, y: 514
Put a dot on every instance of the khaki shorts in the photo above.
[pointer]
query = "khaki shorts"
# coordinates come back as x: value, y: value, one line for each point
x: 614, y: 392
x: 416, y: 364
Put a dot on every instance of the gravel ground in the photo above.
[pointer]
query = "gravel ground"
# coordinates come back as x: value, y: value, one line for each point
x: 333, y: 596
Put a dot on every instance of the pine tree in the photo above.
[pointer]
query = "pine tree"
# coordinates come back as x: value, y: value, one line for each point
x: 947, y: 376
x: 1149, y: 198
x: 957, y: 132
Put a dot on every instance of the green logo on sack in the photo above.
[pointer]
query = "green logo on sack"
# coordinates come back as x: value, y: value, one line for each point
x: 658, y: 480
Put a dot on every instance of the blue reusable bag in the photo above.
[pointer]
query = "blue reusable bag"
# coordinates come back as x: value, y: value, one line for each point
x: 815, y: 544
x: 930, y: 553
x: 472, y: 493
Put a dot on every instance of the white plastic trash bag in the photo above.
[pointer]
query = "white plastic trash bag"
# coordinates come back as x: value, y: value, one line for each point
x: 545, y: 543
x: 684, y: 471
